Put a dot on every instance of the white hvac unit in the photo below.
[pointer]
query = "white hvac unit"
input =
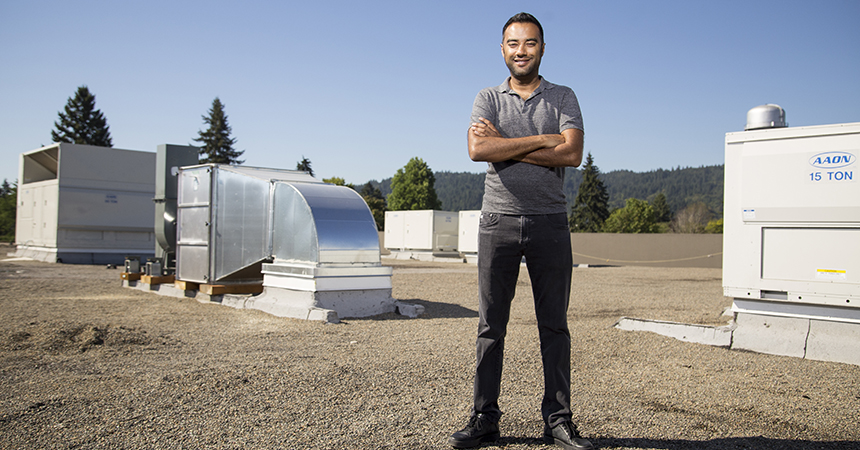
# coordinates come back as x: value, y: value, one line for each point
x: 426, y: 230
x: 85, y: 204
x: 468, y: 236
x: 792, y: 240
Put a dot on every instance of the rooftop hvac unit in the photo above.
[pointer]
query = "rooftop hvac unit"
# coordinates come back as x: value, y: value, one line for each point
x: 424, y: 230
x: 792, y: 240
x: 85, y: 204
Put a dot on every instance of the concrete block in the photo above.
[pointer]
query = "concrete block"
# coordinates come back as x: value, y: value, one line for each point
x: 770, y: 334
x: 834, y: 341
x: 409, y: 310
x: 699, y: 334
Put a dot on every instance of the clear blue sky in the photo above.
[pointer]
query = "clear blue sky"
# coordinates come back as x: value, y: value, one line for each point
x: 361, y: 87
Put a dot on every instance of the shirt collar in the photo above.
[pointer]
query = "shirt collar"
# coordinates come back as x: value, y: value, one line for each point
x: 505, y: 87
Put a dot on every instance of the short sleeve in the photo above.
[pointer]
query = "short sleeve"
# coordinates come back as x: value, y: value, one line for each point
x: 570, y: 115
x: 484, y: 107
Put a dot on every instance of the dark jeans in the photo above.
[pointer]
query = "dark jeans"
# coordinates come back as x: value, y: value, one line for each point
x: 544, y: 240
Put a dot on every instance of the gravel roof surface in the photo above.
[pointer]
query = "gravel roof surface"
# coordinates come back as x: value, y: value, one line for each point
x: 86, y: 363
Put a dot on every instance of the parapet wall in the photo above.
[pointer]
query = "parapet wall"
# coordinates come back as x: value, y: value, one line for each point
x: 654, y: 250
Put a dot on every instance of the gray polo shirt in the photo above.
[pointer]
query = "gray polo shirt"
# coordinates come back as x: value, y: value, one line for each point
x: 514, y: 187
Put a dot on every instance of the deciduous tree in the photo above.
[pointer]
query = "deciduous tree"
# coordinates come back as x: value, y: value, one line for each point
x: 376, y: 202
x: 637, y: 216
x: 692, y: 219
x: 412, y: 188
x: 8, y: 208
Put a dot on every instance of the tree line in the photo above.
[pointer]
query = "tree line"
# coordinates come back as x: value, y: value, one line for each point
x: 681, y: 200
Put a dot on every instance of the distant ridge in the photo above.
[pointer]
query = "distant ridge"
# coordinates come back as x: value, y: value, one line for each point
x: 460, y: 191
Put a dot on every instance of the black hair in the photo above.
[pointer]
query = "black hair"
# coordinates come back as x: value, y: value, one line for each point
x: 523, y: 17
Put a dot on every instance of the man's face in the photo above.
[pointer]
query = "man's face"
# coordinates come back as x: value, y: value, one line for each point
x: 522, y: 49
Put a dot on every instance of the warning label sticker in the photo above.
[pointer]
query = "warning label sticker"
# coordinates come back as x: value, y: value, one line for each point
x: 830, y: 274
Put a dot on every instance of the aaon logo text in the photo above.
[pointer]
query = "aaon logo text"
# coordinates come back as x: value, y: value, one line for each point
x: 832, y: 160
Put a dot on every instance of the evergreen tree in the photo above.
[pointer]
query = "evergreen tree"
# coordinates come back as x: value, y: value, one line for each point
x: 636, y: 217
x: 661, y: 208
x: 591, y: 207
x: 412, y: 188
x: 82, y: 123
x: 8, y: 208
x: 217, y: 144
x: 305, y: 166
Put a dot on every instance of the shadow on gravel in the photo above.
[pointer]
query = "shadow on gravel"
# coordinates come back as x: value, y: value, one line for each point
x: 437, y: 310
x: 746, y: 443
x: 432, y: 310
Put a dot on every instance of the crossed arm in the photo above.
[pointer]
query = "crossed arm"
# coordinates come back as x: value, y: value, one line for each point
x: 549, y: 150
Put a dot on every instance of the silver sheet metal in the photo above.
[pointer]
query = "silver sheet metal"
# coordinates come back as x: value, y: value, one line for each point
x: 232, y: 219
x: 323, y: 224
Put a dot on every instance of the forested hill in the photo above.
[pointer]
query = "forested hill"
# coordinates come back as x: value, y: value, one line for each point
x: 463, y: 190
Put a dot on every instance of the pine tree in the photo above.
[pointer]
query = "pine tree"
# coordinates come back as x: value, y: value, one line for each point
x: 217, y: 143
x: 305, y: 166
x: 661, y: 208
x: 591, y: 207
x: 412, y: 188
x: 82, y: 123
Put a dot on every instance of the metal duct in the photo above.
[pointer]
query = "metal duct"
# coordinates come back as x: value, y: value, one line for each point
x: 232, y: 219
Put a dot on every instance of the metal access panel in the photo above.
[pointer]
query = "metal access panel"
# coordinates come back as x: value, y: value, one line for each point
x: 395, y: 229
x: 431, y: 230
x: 792, y: 216
x: 469, y: 222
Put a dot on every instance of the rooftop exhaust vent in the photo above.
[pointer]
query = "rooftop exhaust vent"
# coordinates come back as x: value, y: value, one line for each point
x: 765, y: 116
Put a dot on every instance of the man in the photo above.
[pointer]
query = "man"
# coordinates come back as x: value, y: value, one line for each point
x: 527, y: 130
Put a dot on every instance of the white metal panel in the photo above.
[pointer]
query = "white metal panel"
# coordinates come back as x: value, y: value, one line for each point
x: 36, y: 221
x: 106, y: 168
x: 469, y: 222
x: 419, y: 230
x: 395, y: 229
x: 829, y: 255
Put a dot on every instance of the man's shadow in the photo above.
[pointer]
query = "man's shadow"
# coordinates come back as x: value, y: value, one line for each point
x: 731, y: 443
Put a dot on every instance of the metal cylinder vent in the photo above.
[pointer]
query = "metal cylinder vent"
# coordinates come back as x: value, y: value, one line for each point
x: 765, y: 116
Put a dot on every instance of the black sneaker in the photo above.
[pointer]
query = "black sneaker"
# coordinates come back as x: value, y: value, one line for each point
x: 566, y: 436
x: 479, y: 429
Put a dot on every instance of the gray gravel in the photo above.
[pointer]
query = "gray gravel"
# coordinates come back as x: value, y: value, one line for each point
x: 85, y: 363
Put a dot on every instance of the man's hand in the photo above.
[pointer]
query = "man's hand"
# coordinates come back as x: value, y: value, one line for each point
x: 566, y: 154
x: 484, y: 128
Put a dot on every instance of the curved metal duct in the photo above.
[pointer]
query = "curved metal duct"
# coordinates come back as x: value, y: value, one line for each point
x: 323, y: 224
